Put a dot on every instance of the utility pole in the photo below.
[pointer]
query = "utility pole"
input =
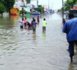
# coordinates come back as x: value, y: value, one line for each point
x: 22, y: 9
x: 37, y: 3
x: 48, y: 4
x: 62, y: 11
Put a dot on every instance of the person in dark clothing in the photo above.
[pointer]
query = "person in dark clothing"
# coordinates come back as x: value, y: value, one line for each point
x: 33, y: 23
x: 70, y: 28
x: 29, y: 25
x: 21, y: 23
x: 38, y: 19
x: 64, y: 21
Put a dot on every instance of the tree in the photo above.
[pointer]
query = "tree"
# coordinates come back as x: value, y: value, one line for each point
x: 69, y: 4
x: 28, y: 1
x: 2, y: 8
x: 8, y: 4
x: 40, y: 9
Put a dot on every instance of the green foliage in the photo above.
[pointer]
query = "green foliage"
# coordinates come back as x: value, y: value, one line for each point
x: 66, y: 8
x: 9, y: 4
x: 40, y: 9
x: 69, y: 4
x: 21, y: 12
x: 6, y: 5
x: 2, y: 8
x: 28, y: 1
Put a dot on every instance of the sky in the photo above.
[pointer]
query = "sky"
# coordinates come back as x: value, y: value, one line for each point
x: 53, y: 4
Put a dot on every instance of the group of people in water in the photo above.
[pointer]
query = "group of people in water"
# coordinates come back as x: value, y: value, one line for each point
x: 32, y: 25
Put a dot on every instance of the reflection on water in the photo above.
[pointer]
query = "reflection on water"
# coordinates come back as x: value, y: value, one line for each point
x: 44, y: 35
x: 71, y: 67
x: 7, y: 31
x: 8, y: 22
x: 34, y: 36
x: 14, y: 19
x: 20, y: 48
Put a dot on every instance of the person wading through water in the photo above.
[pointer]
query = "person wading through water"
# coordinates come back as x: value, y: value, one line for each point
x: 70, y: 28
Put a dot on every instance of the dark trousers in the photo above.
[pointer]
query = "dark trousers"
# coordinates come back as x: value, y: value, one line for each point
x: 34, y: 29
x: 71, y: 48
x: 21, y: 26
x: 44, y: 29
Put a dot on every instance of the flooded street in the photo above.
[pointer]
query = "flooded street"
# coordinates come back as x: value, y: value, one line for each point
x: 23, y: 50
